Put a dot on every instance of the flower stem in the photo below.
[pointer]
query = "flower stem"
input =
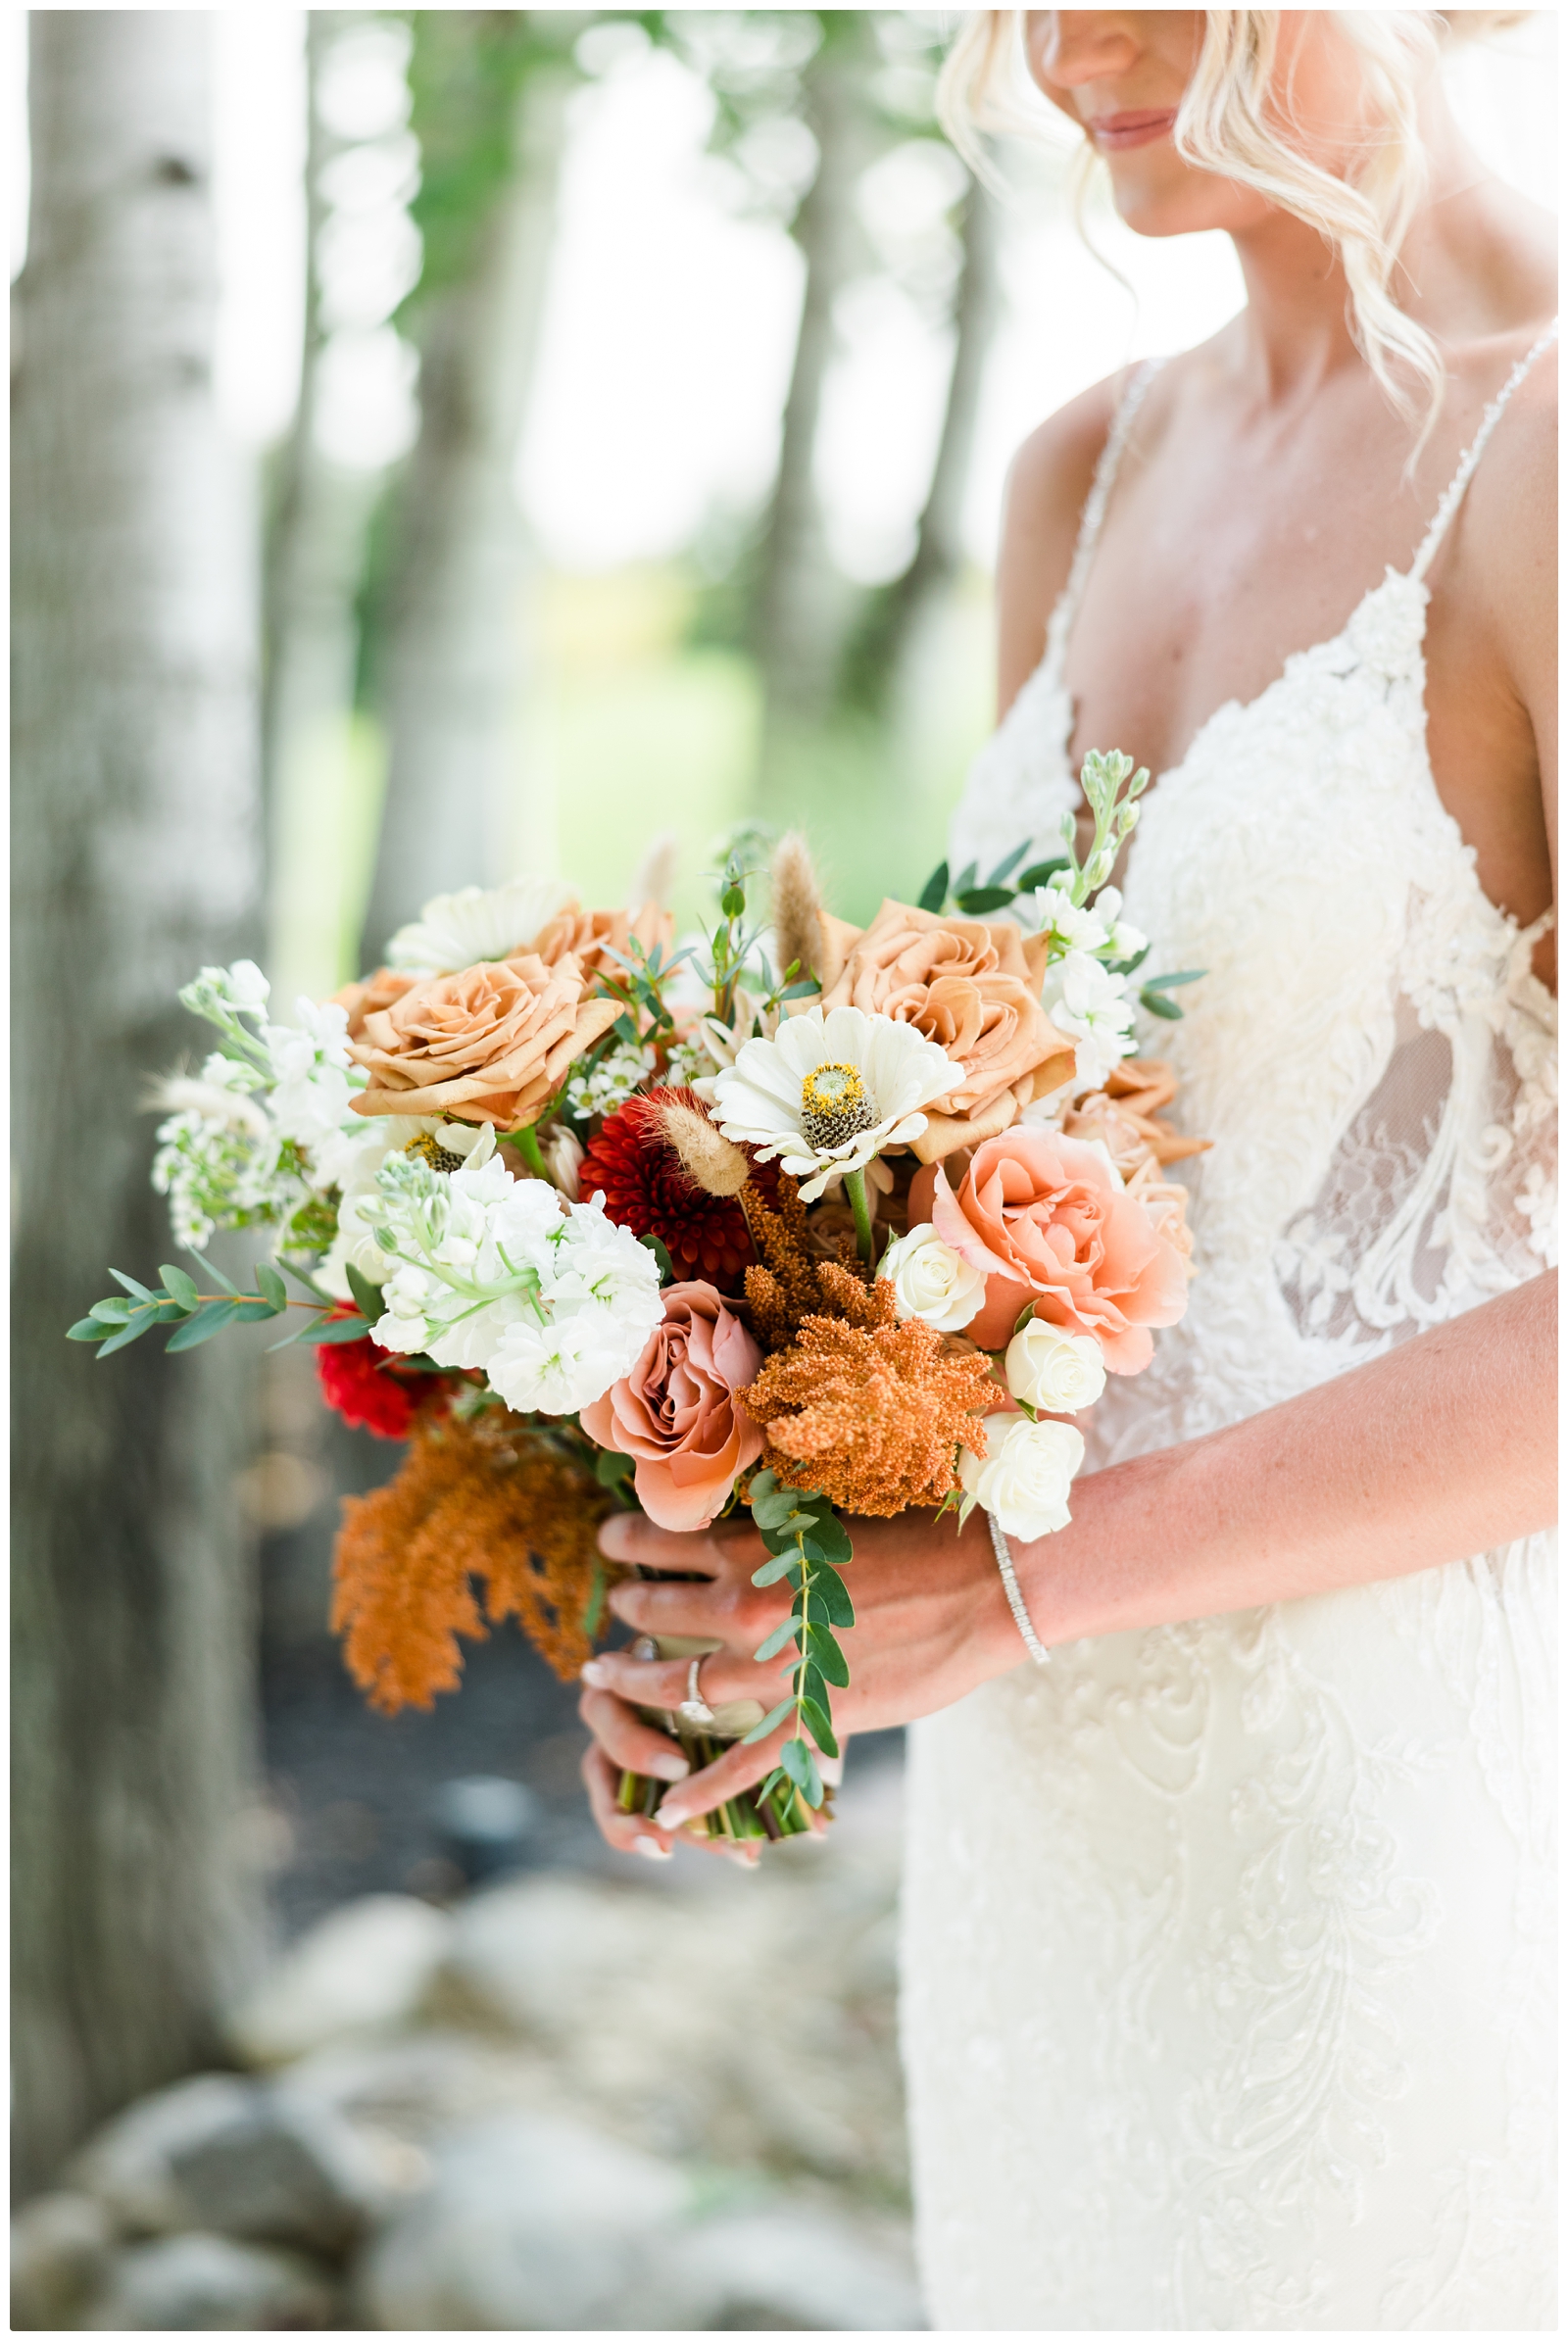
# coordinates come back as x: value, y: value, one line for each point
x: 526, y: 1142
x: 855, y: 1189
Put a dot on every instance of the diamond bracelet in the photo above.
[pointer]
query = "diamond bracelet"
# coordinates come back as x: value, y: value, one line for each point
x: 1015, y: 1601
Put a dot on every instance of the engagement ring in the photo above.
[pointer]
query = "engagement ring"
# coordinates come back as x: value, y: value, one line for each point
x: 694, y: 1707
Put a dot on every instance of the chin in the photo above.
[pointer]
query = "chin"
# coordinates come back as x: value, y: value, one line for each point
x: 1158, y: 194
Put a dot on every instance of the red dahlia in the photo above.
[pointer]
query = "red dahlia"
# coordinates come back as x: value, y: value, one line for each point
x: 647, y: 1189
x: 359, y: 1383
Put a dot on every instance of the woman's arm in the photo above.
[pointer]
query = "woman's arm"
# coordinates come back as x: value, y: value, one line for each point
x: 1444, y: 1448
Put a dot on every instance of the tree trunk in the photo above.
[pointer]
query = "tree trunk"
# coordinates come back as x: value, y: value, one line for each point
x: 455, y: 659
x: 314, y: 565
x: 893, y: 628
x: 802, y: 603
x: 135, y: 1909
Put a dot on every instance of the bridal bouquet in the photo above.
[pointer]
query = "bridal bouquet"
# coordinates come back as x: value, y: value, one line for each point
x: 590, y: 1221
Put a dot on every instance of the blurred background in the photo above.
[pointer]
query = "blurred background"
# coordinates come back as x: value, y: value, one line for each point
x: 448, y: 444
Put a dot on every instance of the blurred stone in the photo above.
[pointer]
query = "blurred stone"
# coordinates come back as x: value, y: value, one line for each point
x: 367, y: 1965
x: 531, y: 2225
x: 60, y: 2248
x: 485, y: 1821
x: 784, y: 2269
x: 236, y: 2156
x: 210, y: 2284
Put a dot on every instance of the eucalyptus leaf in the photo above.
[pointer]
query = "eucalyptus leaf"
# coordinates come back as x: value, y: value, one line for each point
x: 112, y: 1311
x: 834, y: 1594
x: 769, y: 1725
x: 610, y: 1468
x: 667, y: 1266
x: 1167, y: 983
x: 210, y: 1318
x: 369, y: 1299
x: 934, y: 893
x: 180, y: 1287
x: 966, y: 879
x: 334, y: 1328
x: 87, y: 1328
x: 142, y: 1323
x: 776, y: 1641
x: 128, y: 1284
x: 269, y: 1281
x: 976, y: 900
x: 828, y: 1655
x: 1158, y: 1006
x: 1041, y: 873
x: 819, y: 1726
x: 801, y: 1765
x: 773, y: 1570
x: 1006, y: 867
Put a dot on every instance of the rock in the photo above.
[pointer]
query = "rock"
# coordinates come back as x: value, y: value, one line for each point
x: 531, y: 2225
x: 210, y: 2284
x: 247, y: 2159
x: 364, y: 1966
x: 60, y: 2250
x: 776, y: 2270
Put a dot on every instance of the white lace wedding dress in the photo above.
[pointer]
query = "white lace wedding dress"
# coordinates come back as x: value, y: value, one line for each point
x: 1228, y: 1966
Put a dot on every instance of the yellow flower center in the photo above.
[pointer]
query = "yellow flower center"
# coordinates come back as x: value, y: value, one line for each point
x: 834, y: 1106
x: 430, y: 1150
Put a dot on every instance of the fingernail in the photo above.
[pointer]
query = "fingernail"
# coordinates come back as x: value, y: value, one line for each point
x: 651, y: 1848
x: 596, y: 1675
x: 672, y: 1766
x: 671, y: 1815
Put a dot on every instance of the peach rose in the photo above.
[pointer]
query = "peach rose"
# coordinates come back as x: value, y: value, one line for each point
x: 677, y: 1413
x: 974, y: 990
x: 1046, y: 1220
x: 588, y: 935
x: 379, y: 990
x: 1125, y: 1114
x: 491, y: 1043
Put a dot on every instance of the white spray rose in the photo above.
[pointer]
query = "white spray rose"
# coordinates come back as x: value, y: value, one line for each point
x: 931, y: 1282
x: 1052, y: 1371
x: 1026, y: 1476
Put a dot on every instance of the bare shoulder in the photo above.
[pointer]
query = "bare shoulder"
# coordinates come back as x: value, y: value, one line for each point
x: 1511, y: 511
x: 1047, y: 483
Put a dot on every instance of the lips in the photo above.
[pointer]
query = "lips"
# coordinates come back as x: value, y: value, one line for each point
x: 1113, y: 133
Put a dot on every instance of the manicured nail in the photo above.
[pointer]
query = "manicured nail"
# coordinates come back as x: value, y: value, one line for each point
x: 671, y: 1815
x: 672, y: 1766
x: 596, y: 1675
x: 651, y: 1849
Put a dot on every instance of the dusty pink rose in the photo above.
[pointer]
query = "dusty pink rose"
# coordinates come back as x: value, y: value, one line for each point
x: 677, y: 1413
x: 1044, y: 1217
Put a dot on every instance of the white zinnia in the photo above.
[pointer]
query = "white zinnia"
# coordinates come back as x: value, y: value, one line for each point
x: 932, y: 1281
x: 883, y: 1070
x: 1026, y: 1474
x: 1053, y: 1371
x: 1093, y: 1010
x: 456, y: 930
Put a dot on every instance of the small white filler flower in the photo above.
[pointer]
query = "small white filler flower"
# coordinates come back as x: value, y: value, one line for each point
x: 1026, y: 1475
x: 831, y: 1090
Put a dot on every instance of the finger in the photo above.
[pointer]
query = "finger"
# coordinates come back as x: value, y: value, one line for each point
x: 628, y: 1741
x: 665, y: 1682
x: 626, y: 1833
x: 634, y: 1541
x: 705, y: 1611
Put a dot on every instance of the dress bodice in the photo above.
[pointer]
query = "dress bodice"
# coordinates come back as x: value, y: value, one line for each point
x: 1369, y: 1050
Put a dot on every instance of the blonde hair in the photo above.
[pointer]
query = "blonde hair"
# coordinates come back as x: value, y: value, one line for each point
x: 1235, y: 123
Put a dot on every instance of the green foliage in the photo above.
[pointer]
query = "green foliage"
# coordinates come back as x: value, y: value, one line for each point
x: 809, y: 1544
x: 195, y: 1316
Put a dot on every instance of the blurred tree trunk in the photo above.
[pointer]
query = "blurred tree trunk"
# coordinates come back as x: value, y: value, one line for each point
x: 134, y: 1905
x: 893, y: 630
x: 454, y: 654
x: 315, y: 563
x: 802, y: 603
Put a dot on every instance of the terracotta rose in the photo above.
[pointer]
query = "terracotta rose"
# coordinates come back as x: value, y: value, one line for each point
x: 491, y: 1043
x: 973, y: 988
x: 677, y: 1413
x: 1044, y: 1217
x: 379, y: 990
x: 589, y: 934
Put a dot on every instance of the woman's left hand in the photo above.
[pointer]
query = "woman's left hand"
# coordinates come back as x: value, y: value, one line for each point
x: 931, y: 1623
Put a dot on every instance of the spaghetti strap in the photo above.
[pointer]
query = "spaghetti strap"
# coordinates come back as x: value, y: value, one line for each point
x: 1453, y: 494
x: 1093, y: 514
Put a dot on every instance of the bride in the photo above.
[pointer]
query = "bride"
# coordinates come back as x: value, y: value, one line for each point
x: 1228, y: 1960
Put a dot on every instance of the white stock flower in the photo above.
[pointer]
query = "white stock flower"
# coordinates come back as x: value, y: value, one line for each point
x: 245, y: 988
x: 349, y: 1161
x: 1093, y: 1010
x: 564, y: 1364
x: 1052, y: 1371
x: 456, y: 930
x: 310, y: 1066
x: 831, y: 1090
x: 931, y: 1282
x: 1026, y: 1475
x: 1126, y: 940
x: 1075, y: 929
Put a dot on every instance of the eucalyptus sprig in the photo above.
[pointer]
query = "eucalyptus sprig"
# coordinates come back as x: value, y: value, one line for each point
x: 195, y: 1316
x: 809, y: 1544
